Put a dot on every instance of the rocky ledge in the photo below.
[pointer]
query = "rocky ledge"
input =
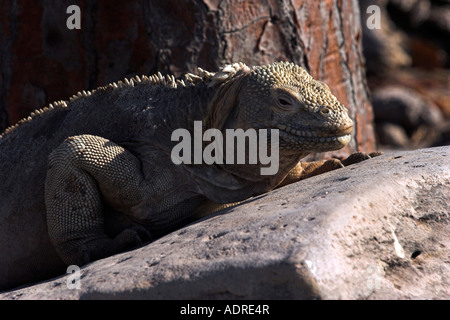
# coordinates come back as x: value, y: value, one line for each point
x: 375, y: 230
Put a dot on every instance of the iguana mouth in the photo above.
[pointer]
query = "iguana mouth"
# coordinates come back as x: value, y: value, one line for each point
x: 291, y: 134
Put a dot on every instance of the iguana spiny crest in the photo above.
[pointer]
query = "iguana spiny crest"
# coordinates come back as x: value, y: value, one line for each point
x: 298, y: 103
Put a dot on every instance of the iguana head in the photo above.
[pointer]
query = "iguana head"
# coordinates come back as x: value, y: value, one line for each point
x: 284, y: 96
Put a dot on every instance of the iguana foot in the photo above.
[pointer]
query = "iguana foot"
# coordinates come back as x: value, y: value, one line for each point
x: 358, y: 157
x: 101, y: 248
x: 305, y: 170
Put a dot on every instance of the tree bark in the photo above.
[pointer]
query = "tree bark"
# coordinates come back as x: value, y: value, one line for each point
x: 43, y: 61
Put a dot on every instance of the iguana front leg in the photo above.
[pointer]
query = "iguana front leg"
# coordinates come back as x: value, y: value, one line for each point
x: 83, y: 172
x: 305, y: 170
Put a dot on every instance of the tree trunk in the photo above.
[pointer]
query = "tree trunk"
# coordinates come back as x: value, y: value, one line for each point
x: 43, y: 61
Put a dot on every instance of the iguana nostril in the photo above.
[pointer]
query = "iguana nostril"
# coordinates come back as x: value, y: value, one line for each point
x: 347, y: 129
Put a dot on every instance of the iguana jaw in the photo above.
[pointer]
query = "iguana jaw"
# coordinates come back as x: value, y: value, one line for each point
x: 316, y: 140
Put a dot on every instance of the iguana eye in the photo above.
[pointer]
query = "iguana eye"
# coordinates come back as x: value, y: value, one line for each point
x: 284, y: 102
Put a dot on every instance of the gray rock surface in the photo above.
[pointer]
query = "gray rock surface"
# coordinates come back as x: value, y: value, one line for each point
x: 375, y: 230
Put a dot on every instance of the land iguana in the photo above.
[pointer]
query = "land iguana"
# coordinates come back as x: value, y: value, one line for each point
x: 90, y: 177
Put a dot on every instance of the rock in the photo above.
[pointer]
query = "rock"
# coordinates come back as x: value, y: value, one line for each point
x: 425, y: 91
x: 375, y: 230
x: 392, y: 135
x: 427, y: 25
x: 413, y: 12
x: 444, y: 139
x: 384, y: 48
x: 440, y: 16
x: 426, y: 54
x: 405, y: 107
x: 411, y: 33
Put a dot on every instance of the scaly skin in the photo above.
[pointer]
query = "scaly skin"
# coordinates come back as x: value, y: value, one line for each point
x: 87, y: 178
